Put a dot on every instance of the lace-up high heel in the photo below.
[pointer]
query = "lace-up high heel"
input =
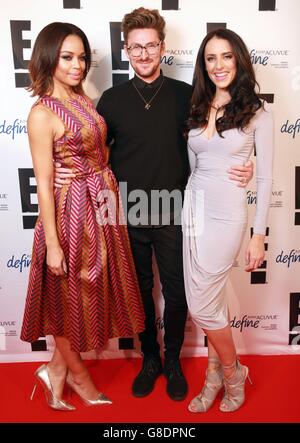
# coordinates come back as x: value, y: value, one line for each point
x: 100, y: 400
x: 42, y: 376
x: 212, y: 385
x: 235, y: 387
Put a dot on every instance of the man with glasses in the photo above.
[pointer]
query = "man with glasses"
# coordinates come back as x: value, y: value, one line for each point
x: 145, y: 118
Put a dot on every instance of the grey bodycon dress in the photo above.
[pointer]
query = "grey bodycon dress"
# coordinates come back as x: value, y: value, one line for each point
x: 214, y: 216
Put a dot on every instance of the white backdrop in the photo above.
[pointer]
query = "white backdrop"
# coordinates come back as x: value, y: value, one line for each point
x: 265, y: 305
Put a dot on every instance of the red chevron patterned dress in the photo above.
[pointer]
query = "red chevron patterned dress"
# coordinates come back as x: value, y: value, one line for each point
x: 99, y: 298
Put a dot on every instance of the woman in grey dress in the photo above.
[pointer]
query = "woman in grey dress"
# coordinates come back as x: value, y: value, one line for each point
x: 227, y: 120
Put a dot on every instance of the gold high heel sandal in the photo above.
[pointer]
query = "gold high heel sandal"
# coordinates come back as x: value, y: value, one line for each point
x: 42, y: 376
x: 235, y: 387
x: 212, y: 385
x: 100, y: 400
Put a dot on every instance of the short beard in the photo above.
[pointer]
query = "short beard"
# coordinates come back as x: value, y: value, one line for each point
x: 141, y: 73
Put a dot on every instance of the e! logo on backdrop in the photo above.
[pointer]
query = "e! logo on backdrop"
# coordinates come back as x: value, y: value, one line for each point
x: 18, y: 45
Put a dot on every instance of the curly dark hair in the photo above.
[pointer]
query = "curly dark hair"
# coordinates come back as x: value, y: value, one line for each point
x: 45, y: 56
x: 244, y: 100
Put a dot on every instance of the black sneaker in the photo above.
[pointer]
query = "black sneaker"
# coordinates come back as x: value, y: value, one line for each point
x: 176, y: 383
x: 144, y: 382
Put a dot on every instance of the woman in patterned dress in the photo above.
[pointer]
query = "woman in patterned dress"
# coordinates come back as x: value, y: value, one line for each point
x: 82, y: 287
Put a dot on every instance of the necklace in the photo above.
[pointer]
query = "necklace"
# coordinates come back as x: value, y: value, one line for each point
x: 148, y: 103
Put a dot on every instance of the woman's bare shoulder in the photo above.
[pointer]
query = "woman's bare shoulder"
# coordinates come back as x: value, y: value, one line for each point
x: 40, y: 120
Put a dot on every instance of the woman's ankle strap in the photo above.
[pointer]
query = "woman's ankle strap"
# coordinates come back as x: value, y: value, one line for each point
x: 233, y: 365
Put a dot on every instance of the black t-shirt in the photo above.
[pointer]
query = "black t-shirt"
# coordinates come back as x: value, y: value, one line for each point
x: 148, y: 150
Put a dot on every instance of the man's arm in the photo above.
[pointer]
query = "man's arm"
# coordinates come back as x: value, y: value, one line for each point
x: 104, y: 109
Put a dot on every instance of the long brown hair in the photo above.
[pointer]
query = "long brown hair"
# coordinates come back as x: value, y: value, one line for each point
x: 244, y: 100
x: 45, y: 56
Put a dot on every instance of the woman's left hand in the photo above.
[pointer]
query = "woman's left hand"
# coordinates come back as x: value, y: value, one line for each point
x: 255, y: 252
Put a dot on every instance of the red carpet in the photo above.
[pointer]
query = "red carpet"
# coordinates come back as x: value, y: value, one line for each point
x: 273, y: 398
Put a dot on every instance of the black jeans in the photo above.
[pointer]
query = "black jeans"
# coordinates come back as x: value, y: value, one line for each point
x: 166, y: 242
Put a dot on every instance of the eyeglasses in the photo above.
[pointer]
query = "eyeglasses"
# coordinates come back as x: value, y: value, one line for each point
x: 137, y: 50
